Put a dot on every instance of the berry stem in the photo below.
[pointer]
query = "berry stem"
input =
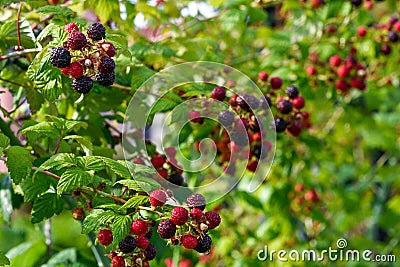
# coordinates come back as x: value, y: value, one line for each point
x: 47, y: 173
x: 19, y: 27
x: 105, y: 194
x: 20, y: 53
x: 151, y: 210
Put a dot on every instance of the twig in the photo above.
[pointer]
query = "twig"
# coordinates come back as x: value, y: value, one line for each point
x: 55, y: 176
x: 105, y: 194
x: 151, y: 210
x: 18, y: 26
x: 20, y: 53
x: 12, y: 82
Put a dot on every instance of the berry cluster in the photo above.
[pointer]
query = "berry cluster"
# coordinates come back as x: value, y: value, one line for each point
x: 289, y: 106
x: 304, y: 198
x: 387, y: 35
x: 85, y: 58
x: 187, y: 227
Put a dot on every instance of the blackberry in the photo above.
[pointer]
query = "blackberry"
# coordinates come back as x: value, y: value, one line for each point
x: 213, y: 219
x: 96, y: 31
x: 240, y: 139
x: 166, y: 229
x: 247, y: 102
x: 76, y: 40
x: 105, y: 79
x: 285, y: 106
x: 356, y: 2
x: 252, y: 166
x: 118, y: 261
x: 196, y: 213
x: 158, y: 198
x: 279, y: 124
x: 386, y: 49
x: 150, y: 252
x: 265, y: 102
x: 60, y: 57
x: 299, y: 102
x: 256, y: 124
x: 179, y: 216
x: 263, y: 76
x: 82, y: 85
x: 260, y: 151
x: 218, y: 93
x: 157, y: 161
x: 75, y: 70
x: 203, y: 243
x: 128, y: 244
x: 149, y: 234
x: 142, y: 242
x: 105, y: 237
x: 189, y: 241
x: 108, y: 48
x: 226, y: 118
x: 139, y: 227
x: 72, y: 27
x: 393, y: 37
x: 196, y: 201
x: 107, y: 65
x: 292, y: 91
x: 176, y: 179
x: 276, y: 83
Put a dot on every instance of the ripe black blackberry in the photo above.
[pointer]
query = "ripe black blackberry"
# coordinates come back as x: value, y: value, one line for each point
x: 260, y: 152
x: 292, y: 91
x: 96, y: 31
x: 82, y: 85
x: 76, y: 40
x: 176, y: 179
x: 105, y: 79
x: 226, y: 118
x: 204, y: 243
x: 150, y: 252
x: 149, y: 234
x: 247, y: 102
x: 285, y: 106
x: 265, y: 102
x: 60, y: 57
x: 356, y: 2
x: 393, y: 37
x: 196, y: 201
x: 279, y: 124
x: 107, y: 65
x: 166, y: 229
x: 128, y: 244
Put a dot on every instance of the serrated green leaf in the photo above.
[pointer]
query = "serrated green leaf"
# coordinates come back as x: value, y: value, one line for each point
x: 146, y: 184
x: 4, y: 140
x: 35, y: 99
x: 179, y: 114
x: 117, y: 167
x: 131, y: 184
x: 46, y: 206
x: 3, y: 259
x: 97, y: 218
x: 73, y: 178
x: 162, y: 105
x: 92, y: 163
x: 58, y: 10
x: 120, y: 227
x: 33, y: 188
x: 59, y: 161
x: 43, y: 129
x: 139, y: 168
x: 19, y: 163
x: 139, y: 76
x: 135, y: 201
x: 84, y: 142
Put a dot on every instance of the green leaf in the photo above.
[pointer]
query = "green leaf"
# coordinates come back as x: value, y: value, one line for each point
x: 58, y: 161
x: 43, y: 129
x: 117, y: 167
x: 35, y: 99
x: 135, y: 201
x: 84, y: 142
x: 63, y: 258
x: 19, y: 163
x: 131, y: 184
x: 120, y: 227
x: 139, y: 76
x: 162, y: 105
x: 73, y: 178
x: 4, y: 141
x: 27, y: 254
x: 179, y: 114
x: 9, y: 34
x: 33, y: 188
x: 3, y: 259
x: 46, y: 206
x: 59, y: 10
x: 145, y: 183
x: 92, y: 163
x: 97, y: 218
x: 250, y: 199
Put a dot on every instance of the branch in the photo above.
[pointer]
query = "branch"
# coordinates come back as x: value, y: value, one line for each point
x: 20, y: 53
x: 18, y: 26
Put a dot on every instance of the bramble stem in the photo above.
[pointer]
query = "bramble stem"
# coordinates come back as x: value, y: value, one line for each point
x: 20, y: 53
x: 18, y: 27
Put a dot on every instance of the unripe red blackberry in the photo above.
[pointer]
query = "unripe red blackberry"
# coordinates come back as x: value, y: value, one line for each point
x: 362, y: 31
x: 292, y: 91
x: 195, y: 116
x: 342, y: 86
x: 179, y: 216
x: 142, y: 242
x: 252, y: 165
x: 263, y: 76
x: 75, y: 70
x: 343, y: 71
x: 350, y: 62
x: 357, y: 83
x: 176, y: 179
x: 196, y: 214
x: 60, y: 57
x: 276, y: 83
x: 157, y: 161
x: 311, y: 196
x: 105, y: 79
x: 163, y: 173
x: 335, y: 61
x: 204, y: 243
x: 105, y: 237
x: 285, y: 106
x: 213, y: 219
x: 108, y: 48
x: 311, y: 71
x: 82, y: 85
x: 76, y: 40
x: 233, y: 101
x: 226, y: 118
x: 127, y: 245
x: 196, y: 201
x: 139, y: 227
x: 150, y: 252
x: 107, y: 65
x: 386, y: 49
x: 166, y: 229
x: 189, y: 241
x: 218, y: 93
x: 96, y: 31
x: 118, y: 261
x: 279, y: 124
x: 299, y: 102
x: 72, y: 27
x: 158, y: 198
